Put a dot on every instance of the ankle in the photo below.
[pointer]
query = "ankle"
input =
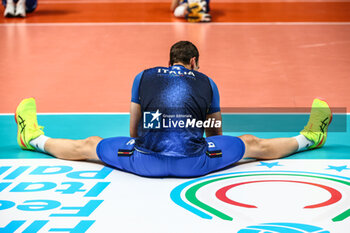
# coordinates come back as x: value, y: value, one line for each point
x: 39, y: 143
x: 303, y: 142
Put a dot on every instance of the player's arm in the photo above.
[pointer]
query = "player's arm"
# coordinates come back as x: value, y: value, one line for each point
x: 214, y: 111
x: 214, y: 131
x: 135, y: 107
x: 135, y: 117
x: 174, y: 4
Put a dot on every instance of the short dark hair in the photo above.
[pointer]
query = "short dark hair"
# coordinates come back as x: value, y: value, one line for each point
x: 183, y: 51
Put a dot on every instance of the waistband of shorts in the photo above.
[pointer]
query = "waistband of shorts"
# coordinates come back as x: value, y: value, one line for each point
x: 159, y: 154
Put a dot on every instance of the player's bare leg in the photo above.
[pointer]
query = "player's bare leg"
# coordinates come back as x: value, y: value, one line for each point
x: 73, y: 149
x: 268, y: 148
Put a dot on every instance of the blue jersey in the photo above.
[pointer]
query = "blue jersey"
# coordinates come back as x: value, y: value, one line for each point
x: 172, y: 99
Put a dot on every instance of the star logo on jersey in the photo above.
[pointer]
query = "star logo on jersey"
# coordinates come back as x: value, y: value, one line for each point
x: 156, y: 115
x: 151, y: 120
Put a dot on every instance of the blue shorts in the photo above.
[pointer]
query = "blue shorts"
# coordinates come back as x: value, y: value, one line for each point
x: 119, y: 152
x: 30, y: 4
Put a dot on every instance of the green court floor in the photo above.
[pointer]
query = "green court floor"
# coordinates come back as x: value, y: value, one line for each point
x: 79, y: 126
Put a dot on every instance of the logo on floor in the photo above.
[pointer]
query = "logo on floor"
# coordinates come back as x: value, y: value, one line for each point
x: 196, y: 196
x: 283, y: 227
x: 61, y: 196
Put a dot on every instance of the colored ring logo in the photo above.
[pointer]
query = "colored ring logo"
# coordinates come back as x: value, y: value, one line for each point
x: 283, y: 228
x: 189, y: 190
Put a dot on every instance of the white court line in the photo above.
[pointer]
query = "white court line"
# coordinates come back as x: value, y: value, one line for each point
x: 178, y: 23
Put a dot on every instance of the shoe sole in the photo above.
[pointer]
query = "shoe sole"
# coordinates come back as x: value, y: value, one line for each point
x: 330, y: 121
x: 20, y: 16
x: 10, y: 15
x: 197, y: 18
x: 20, y: 140
x: 19, y: 137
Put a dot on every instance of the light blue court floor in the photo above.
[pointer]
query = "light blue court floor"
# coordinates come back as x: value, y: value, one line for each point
x: 306, y: 192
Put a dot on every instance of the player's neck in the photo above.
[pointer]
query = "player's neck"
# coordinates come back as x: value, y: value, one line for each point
x: 181, y: 64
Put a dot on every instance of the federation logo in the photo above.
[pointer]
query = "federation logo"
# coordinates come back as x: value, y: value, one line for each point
x: 283, y: 227
x: 151, y: 120
x: 186, y: 195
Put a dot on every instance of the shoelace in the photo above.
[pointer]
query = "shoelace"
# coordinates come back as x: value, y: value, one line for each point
x: 34, y: 129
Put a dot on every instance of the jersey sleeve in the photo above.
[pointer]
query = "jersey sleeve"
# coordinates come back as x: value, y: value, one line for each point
x: 135, y: 89
x: 215, y: 102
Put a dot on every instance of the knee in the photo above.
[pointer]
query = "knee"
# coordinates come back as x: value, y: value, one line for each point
x: 85, y: 146
x: 251, y: 140
x: 90, y: 143
x: 254, y: 143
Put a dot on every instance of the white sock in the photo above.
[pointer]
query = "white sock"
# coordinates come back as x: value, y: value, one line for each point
x: 39, y: 143
x: 180, y: 11
x: 303, y: 142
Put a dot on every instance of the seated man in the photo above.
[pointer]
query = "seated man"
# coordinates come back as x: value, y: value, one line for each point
x: 18, y: 8
x: 192, y: 10
x: 171, y: 107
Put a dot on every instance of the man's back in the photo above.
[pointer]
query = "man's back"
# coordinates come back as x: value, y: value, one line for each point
x: 182, y: 97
